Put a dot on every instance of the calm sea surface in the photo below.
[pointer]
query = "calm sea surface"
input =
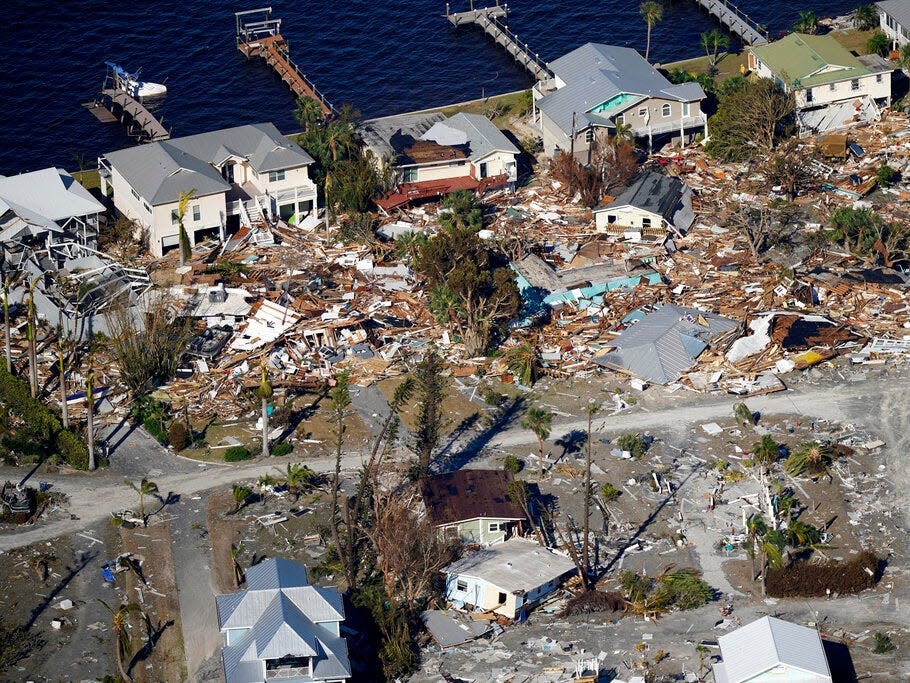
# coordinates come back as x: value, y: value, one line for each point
x: 383, y: 56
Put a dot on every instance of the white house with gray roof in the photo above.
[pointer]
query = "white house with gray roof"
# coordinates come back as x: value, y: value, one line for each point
x: 652, y: 206
x: 596, y: 86
x: 772, y: 650
x: 282, y: 628
x: 894, y: 20
x: 239, y: 176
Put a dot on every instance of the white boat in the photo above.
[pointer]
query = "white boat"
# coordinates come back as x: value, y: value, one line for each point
x: 132, y: 85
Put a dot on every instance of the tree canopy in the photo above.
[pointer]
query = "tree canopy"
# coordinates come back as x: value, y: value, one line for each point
x: 751, y: 118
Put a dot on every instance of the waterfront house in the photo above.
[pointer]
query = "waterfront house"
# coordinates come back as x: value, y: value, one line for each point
x: 508, y: 578
x: 771, y: 649
x: 595, y: 87
x: 661, y: 345
x: 240, y: 176
x: 42, y: 207
x: 894, y: 21
x: 472, y: 505
x: 282, y: 628
x: 652, y: 206
x: 433, y: 155
x: 833, y: 88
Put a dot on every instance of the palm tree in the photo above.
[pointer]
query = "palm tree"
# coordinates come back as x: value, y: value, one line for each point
x: 712, y: 42
x: 651, y: 12
x: 623, y: 133
x: 298, y: 477
x: 743, y: 415
x: 329, y: 198
x: 265, y: 481
x: 522, y: 362
x: 308, y: 113
x: 755, y: 529
x: 61, y: 368
x: 808, y: 23
x: 90, y: 411
x: 31, y: 333
x: 143, y: 488
x: 124, y: 649
x: 904, y: 59
x: 183, y: 201
x: 764, y: 454
x: 265, y: 393
x: 787, y: 503
x: 589, y: 490
x: 812, y: 457
x: 772, y: 546
x: 865, y: 17
x: 803, y: 535
x: 878, y: 44
x: 241, y: 496
x: 539, y: 421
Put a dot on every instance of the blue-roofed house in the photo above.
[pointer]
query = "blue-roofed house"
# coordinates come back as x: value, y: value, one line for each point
x: 663, y: 344
x: 282, y: 628
x: 595, y: 87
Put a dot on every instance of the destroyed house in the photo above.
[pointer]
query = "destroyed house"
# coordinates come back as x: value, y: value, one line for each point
x: 472, y: 505
x: 540, y: 283
x: 43, y: 207
x: 824, y: 75
x: 238, y: 178
x: 769, y: 650
x: 652, y: 206
x: 664, y: 343
x: 508, y: 578
x: 433, y: 155
x: 282, y: 628
x: 596, y: 87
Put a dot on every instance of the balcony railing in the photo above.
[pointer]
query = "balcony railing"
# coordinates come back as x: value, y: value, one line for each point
x: 670, y: 126
x: 287, y: 673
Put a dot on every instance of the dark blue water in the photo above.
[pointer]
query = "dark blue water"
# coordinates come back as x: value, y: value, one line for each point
x: 383, y: 56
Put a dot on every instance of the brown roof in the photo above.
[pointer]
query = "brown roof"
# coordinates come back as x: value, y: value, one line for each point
x: 426, y: 151
x: 468, y: 494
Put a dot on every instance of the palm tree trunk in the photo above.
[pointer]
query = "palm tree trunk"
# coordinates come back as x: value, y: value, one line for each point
x: 540, y: 455
x: 648, y: 44
x: 6, y: 341
x: 123, y: 673
x: 90, y: 428
x: 586, y: 545
x: 64, y: 409
x: 265, y: 427
x: 142, y: 510
x: 32, y: 359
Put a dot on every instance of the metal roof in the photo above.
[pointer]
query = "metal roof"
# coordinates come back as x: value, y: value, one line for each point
x: 474, y: 130
x: 804, y: 60
x: 656, y: 193
x: 899, y: 10
x: 767, y: 643
x: 515, y: 565
x: 594, y: 73
x: 665, y: 343
x: 51, y: 193
x: 468, y: 494
x: 282, y: 613
x: 160, y: 171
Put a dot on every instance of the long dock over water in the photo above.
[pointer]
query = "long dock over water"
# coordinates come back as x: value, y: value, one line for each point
x: 488, y: 19
x: 139, y: 121
x: 735, y: 20
x: 258, y: 35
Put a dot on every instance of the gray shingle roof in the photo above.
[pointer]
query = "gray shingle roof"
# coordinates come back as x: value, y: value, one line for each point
x: 594, y: 73
x: 51, y: 193
x: 764, y: 644
x: 160, y: 171
x: 517, y: 564
x: 659, y: 194
x: 899, y: 9
x: 665, y: 343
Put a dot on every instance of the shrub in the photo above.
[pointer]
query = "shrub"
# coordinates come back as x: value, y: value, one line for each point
x: 886, y: 175
x: 633, y: 443
x: 804, y: 579
x: 512, y: 464
x: 178, y: 435
x: 237, y: 453
x: 280, y: 449
x: 43, y: 425
x: 609, y: 492
x: 883, y: 643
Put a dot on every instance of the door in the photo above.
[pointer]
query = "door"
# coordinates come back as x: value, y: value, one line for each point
x: 227, y: 172
x: 483, y: 170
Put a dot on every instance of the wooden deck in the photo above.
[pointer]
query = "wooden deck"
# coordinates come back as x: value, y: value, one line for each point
x: 406, y: 193
x: 735, y: 21
x: 140, y: 122
x: 488, y: 19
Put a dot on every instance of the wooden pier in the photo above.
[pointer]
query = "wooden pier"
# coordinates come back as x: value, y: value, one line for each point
x: 258, y: 35
x: 488, y: 19
x: 114, y: 104
x: 735, y: 21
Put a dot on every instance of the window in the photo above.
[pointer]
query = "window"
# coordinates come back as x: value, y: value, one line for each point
x: 687, y: 108
x: 589, y: 135
x: 832, y: 87
x: 611, y: 218
x: 175, y: 217
x: 134, y: 193
x: 646, y: 222
x: 878, y: 78
x: 808, y: 94
x: 461, y: 585
x: 642, y: 112
x: 620, y: 120
x: 276, y: 176
x: 854, y: 84
x: 409, y: 175
x: 502, y: 598
x: 197, y: 213
x: 665, y: 110
x: 483, y: 170
x: 494, y: 526
x: 147, y: 207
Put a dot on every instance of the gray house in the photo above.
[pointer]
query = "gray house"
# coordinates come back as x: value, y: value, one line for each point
x: 653, y: 205
x: 894, y: 20
x: 282, y: 628
x: 597, y: 87
x: 661, y: 345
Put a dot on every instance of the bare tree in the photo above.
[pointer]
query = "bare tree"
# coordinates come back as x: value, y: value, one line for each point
x: 787, y: 168
x: 762, y: 227
x: 588, y: 492
x: 344, y: 532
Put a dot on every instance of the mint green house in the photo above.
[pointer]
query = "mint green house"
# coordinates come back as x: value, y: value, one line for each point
x: 472, y: 505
